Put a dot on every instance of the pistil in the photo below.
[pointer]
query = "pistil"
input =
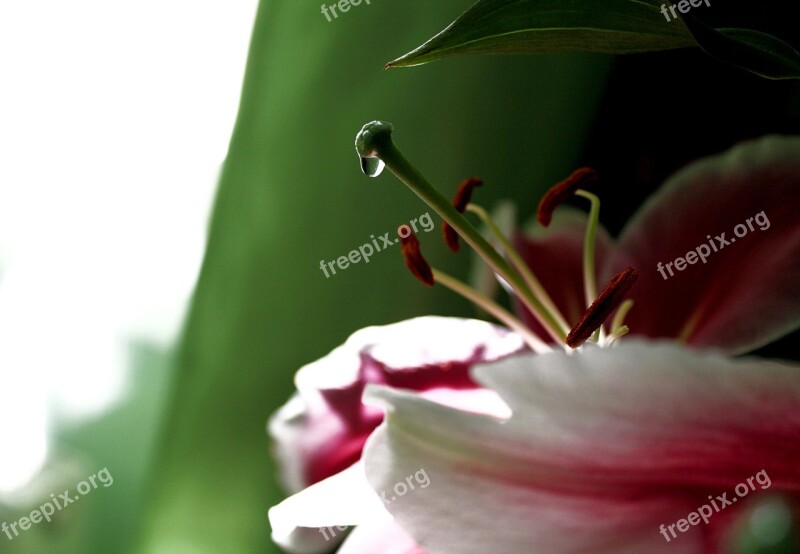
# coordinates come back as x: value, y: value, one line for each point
x: 374, y: 141
x: 376, y: 150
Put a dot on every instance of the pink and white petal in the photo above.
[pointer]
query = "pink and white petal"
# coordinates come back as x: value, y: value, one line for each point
x: 323, y: 427
x: 555, y: 255
x: 602, y: 448
x: 344, y: 499
x: 478, y: 503
x: 748, y: 293
x: 386, y: 538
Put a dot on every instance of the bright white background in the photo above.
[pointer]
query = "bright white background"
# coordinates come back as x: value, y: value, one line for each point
x: 114, y: 120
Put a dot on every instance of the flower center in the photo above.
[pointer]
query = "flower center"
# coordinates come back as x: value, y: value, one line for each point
x: 375, y: 149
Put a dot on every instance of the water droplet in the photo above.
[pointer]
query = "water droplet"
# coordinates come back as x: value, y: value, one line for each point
x: 372, y: 167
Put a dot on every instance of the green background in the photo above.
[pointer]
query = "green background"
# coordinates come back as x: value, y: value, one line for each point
x: 187, y: 447
x: 292, y: 194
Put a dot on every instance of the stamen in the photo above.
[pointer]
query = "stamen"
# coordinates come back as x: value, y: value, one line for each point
x: 520, y: 265
x: 602, y: 307
x: 422, y: 271
x: 414, y: 259
x: 619, y: 318
x: 571, y: 186
x: 494, y: 309
x: 616, y: 335
x: 460, y: 201
x: 589, y: 247
x: 562, y: 191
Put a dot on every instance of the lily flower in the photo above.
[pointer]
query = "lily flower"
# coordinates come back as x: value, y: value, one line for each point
x: 564, y: 433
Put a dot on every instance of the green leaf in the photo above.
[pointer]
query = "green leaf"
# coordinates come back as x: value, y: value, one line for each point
x: 760, y: 53
x: 527, y: 26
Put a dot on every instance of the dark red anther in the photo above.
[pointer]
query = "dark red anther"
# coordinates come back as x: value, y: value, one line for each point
x: 414, y: 259
x: 460, y: 201
x: 563, y: 191
x: 605, y: 304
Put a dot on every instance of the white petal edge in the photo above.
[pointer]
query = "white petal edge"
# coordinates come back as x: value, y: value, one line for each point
x: 343, y: 499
